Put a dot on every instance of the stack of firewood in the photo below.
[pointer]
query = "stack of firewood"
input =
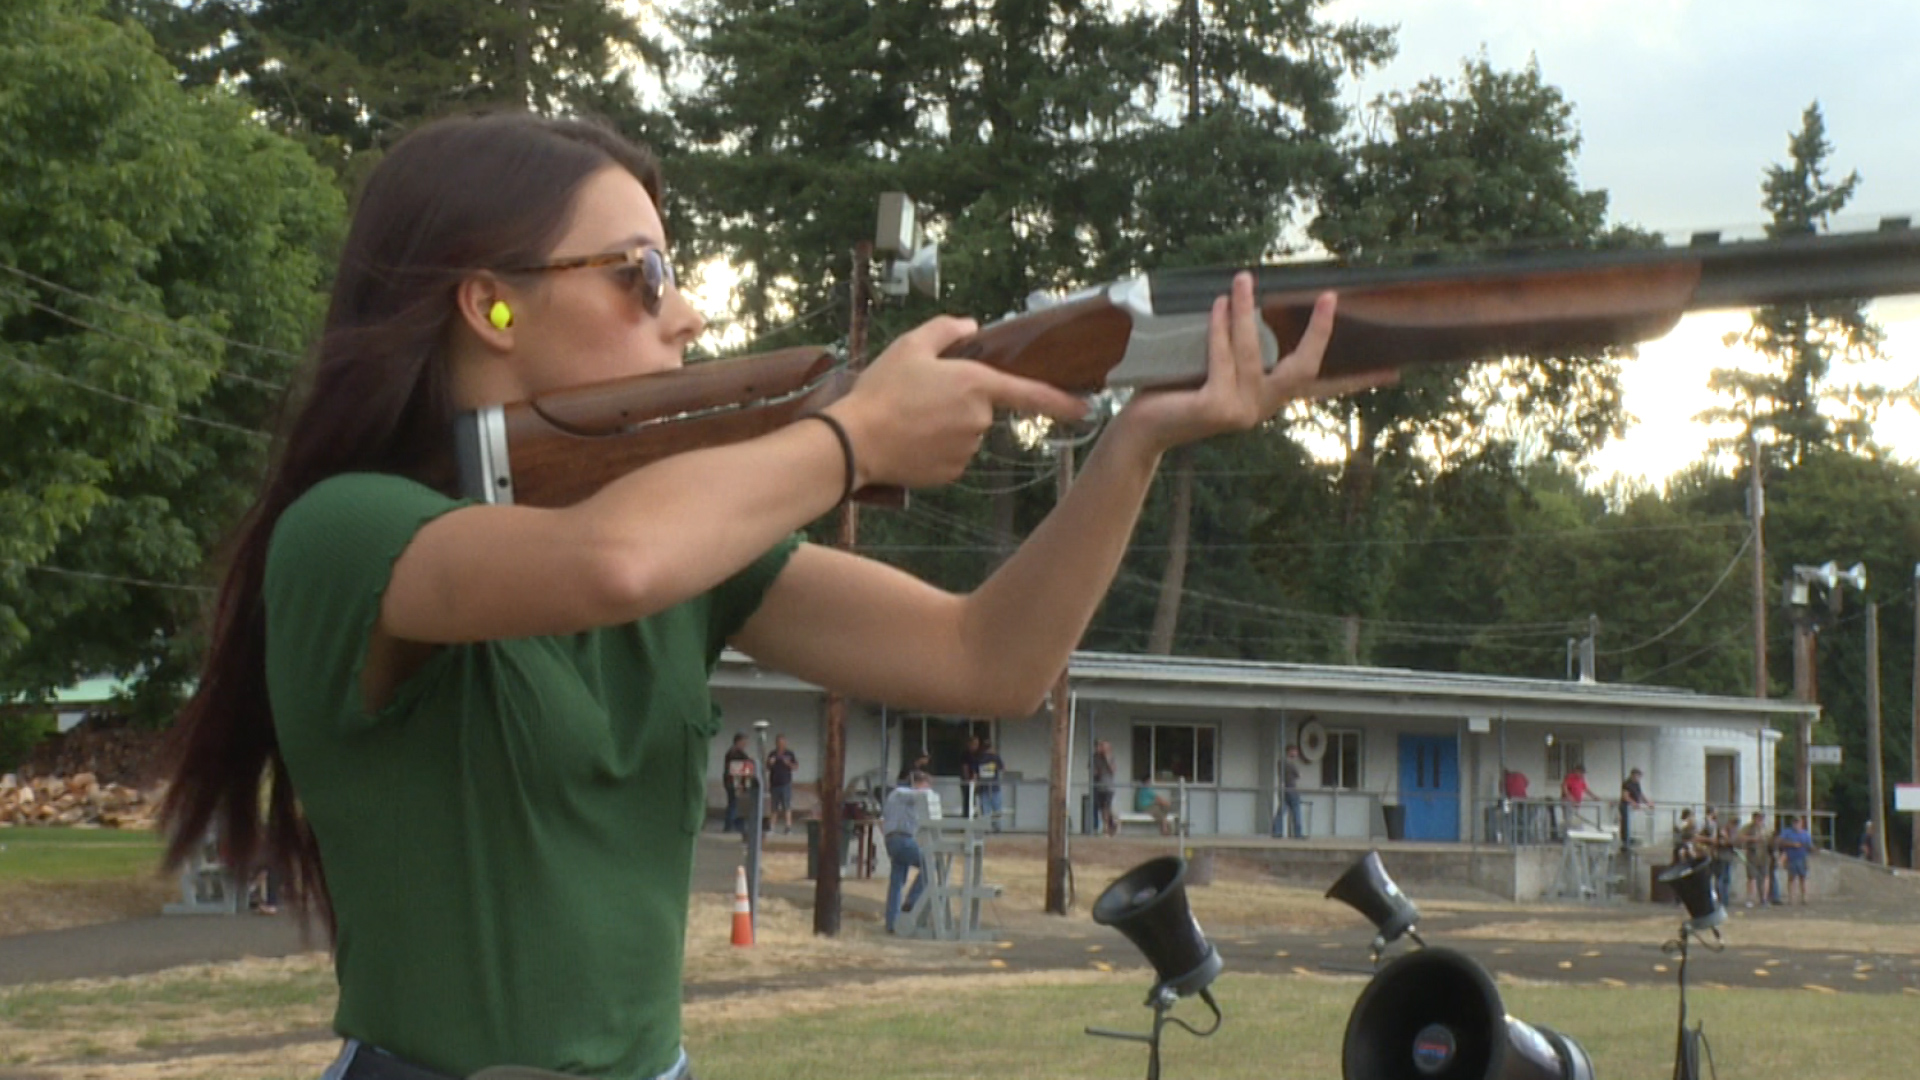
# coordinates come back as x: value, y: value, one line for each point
x: 115, y: 753
x: 77, y: 800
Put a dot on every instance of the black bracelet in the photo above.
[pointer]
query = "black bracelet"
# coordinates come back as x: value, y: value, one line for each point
x: 846, y: 450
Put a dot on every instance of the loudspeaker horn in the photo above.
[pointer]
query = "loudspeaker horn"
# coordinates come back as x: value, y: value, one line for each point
x: 1312, y: 740
x: 919, y: 273
x: 1435, y: 1015
x: 1366, y: 888
x: 1149, y: 905
x: 1693, y: 883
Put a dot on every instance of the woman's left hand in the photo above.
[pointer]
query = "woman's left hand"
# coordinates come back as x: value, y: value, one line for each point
x: 1239, y: 393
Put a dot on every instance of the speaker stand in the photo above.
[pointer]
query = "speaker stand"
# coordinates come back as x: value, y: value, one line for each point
x: 1162, y: 999
x: 1686, y: 1053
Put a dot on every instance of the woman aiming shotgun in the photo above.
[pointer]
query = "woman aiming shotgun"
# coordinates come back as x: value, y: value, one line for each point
x: 487, y: 727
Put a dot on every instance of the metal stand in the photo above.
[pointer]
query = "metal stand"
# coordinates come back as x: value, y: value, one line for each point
x: 1688, y: 1044
x: 1161, y: 999
x: 208, y: 886
x: 1586, y: 866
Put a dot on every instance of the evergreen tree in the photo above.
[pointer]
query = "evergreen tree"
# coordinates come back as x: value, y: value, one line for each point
x: 1052, y: 146
x: 348, y: 76
x: 1482, y: 162
x: 1798, y: 395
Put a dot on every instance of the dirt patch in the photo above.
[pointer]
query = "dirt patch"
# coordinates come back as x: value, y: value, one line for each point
x: 233, y: 1019
x: 32, y: 907
x: 1770, y: 930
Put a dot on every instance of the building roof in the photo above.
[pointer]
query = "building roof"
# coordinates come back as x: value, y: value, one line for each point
x: 1178, y: 683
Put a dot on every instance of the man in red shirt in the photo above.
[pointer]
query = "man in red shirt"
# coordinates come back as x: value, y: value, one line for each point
x: 1514, y: 789
x: 1573, y: 791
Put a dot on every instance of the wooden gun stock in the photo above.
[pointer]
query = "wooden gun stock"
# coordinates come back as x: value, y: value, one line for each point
x: 1151, y: 331
x: 559, y: 448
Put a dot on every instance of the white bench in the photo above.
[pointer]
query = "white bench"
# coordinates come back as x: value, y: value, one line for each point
x: 1124, y: 820
x: 1176, y: 817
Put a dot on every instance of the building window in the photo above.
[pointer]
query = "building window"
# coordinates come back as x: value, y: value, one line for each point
x: 1175, y: 752
x: 1563, y: 756
x: 942, y: 738
x: 1340, y: 765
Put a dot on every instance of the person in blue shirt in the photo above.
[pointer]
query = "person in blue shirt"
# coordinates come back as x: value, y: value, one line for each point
x: 1797, y: 844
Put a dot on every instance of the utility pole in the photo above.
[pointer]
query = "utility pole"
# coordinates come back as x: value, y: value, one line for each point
x: 1803, y: 692
x: 1876, y: 783
x: 1757, y: 513
x: 1059, y: 765
x: 833, y: 751
x: 1798, y: 594
x: 1913, y: 858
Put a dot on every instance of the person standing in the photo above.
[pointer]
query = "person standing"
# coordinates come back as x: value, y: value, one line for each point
x: 1796, y: 844
x: 988, y: 769
x: 1573, y: 792
x: 736, y: 776
x: 1632, y: 798
x: 900, y: 820
x: 1102, y: 774
x: 969, y: 777
x: 1289, y: 797
x: 1756, y: 847
x: 781, y: 762
x: 1718, y: 838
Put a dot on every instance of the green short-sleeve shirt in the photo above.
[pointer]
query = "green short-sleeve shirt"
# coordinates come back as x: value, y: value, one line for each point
x: 509, y: 843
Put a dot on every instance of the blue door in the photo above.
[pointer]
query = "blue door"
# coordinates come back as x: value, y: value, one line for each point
x: 1430, y: 786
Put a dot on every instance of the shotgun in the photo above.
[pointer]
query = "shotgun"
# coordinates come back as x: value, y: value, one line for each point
x: 1151, y: 331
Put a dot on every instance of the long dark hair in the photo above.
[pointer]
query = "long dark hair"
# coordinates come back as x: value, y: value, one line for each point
x: 486, y: 190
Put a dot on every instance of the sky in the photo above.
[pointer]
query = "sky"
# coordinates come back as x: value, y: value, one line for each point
x: 1681, y: 106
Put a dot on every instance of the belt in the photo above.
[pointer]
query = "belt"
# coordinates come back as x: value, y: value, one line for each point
x: 371, y: 1064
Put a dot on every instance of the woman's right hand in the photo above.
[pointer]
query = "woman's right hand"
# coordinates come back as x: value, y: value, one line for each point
x: 917, y: 420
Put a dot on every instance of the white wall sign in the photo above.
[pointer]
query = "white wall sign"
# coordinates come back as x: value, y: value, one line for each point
x: 1823, y: 755
x: 1906, y: 797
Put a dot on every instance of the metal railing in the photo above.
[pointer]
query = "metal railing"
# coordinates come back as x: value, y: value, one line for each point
x: 1227, y: 810
x: 1519, y: 822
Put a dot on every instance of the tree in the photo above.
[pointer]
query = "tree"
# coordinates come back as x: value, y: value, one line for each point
x: 1483, y: 162
x: 1797, y: 395
x: 349, y: 77
x: 1850, y: 508
x: 161, y: 261
x: 1052, y: 146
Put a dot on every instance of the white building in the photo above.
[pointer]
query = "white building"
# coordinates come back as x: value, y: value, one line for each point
x: 1434, y: 745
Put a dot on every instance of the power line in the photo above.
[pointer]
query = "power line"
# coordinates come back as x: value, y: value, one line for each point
x: 125, y: 400
x: 31, y: 301
x: 1724, y: 574
x: 41, y: 568
x: 148, y: 316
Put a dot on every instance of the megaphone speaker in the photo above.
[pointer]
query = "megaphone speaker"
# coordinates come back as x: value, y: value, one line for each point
x: 1149, y: 905
x: 1693, y: 884
x: 1366, y: 888
x: 1435, y: 1015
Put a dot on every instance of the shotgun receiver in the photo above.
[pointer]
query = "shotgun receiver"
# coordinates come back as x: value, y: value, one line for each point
x: 1151, y: 331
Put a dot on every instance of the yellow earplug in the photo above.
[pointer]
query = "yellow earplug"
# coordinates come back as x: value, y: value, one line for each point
x: 500, y: 315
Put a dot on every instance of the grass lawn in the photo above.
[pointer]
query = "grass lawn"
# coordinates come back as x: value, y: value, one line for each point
x: 59, y: 877
x: 267, y: 1019
x: 1276, y: 1027
x: 60, y: 855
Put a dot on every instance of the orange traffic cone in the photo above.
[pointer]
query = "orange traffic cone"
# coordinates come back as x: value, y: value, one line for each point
x: 742, y: 909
